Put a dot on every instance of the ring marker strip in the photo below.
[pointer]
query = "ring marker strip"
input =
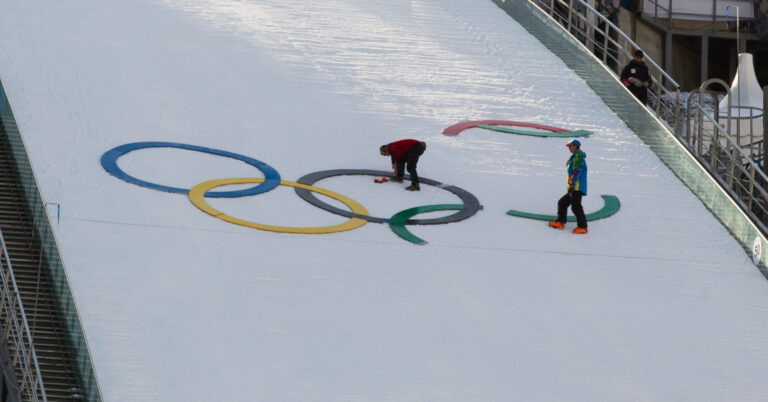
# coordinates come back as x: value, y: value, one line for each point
x: 510, y: 130
x: 471, y: 203
x: 398, y: 220
x: 109, y: 163
x: 197, y: 197
x: 459, y: 127
x: 610, y: 207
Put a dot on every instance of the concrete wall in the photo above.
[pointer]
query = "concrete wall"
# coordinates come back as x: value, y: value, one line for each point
x: 650, y: 40
x: 686, y: 66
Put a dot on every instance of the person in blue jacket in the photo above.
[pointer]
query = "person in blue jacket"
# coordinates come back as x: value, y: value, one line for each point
x: 577, y: 188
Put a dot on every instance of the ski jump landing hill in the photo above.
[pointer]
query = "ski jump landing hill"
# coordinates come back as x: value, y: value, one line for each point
x: 657, y: 302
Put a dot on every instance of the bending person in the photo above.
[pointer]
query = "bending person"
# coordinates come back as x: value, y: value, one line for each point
x: 405, y: 156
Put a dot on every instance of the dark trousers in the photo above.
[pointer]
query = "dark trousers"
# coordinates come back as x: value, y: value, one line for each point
x: 409, y: 161
x: 573, y: 200
x: 641, y: 93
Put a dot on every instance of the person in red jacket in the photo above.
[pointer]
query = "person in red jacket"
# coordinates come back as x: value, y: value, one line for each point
x: 405, y: 155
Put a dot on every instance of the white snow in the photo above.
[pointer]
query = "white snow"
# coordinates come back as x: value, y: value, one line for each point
x: 657, y: 302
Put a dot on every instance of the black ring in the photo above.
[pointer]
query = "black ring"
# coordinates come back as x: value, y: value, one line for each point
x: 471, y: 204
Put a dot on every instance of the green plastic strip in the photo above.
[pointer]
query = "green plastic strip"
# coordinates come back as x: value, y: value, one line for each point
x: 397, y: 222
x: 611, y: 206
x: 513, y: 130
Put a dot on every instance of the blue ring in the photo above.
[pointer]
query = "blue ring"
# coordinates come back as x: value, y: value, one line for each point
x: 109, y: 163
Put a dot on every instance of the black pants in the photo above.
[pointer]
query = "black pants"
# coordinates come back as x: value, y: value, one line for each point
x: 641, y: 93
x: 409, y: 162
x: 572, y: 199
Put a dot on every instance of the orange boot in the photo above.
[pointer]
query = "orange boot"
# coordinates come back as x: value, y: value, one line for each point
x: 557, y: 225
x: 580, y: 230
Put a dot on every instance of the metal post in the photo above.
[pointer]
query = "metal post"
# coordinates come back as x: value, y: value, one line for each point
x: 704, y: 57
x: 731, y: 158
x: 606, y: 32
x: 677, y: 127
x: 751, y: 186
x: 765, y: 128
x: 714, y: 14
x: 668, y: 51
x: 590, y: 23
x: 570, y: 14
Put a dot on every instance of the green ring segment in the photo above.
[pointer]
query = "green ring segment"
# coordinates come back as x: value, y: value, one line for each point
x: 513, y: 130
x: 610, y: 207
x: 397, y: 221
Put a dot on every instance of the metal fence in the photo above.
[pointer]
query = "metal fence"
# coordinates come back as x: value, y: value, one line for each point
x: 17, y: 333
x: 734, y: 162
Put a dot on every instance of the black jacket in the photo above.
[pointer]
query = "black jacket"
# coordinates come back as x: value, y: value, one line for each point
x: 637, y: 69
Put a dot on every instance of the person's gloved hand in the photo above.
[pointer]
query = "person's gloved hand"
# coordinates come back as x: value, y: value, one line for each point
x: 636, y: 81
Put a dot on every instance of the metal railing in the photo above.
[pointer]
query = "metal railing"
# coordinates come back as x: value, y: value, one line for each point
x: 733, y: 162
x: 17, y: 333
x: 665, y: 15
x: 615, y: 49
x: 736, y: 170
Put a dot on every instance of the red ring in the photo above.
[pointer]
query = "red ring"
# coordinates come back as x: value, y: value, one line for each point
x: 459, y: 127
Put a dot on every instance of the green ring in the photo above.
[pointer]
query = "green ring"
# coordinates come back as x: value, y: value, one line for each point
x: 612, y: 205
x: 513, y: 130
x: 397, y: 222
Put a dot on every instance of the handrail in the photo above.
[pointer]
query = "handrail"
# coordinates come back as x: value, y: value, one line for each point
x: 730, y: 163
x: 671, y: 15
x: 83, y: 362
x: 618, y: 31
x: 756, y: 199
x: 17, y: 330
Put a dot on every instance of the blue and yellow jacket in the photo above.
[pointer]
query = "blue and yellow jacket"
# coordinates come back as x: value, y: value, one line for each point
x: 577, y: 171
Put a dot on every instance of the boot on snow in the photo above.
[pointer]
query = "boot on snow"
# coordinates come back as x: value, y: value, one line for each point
x: 557, y: 225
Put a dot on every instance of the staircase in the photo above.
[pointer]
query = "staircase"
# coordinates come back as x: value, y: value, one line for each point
x: 54, y: 353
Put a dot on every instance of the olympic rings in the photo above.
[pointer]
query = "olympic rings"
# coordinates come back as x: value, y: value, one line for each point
x: 197, y: 197
x: 109, y: 162
x: 357, y: 214
x: 471, y: 204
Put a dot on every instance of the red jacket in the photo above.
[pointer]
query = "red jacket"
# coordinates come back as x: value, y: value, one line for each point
x: 398, y: 149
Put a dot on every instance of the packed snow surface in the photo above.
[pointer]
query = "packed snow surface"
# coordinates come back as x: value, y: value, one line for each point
x: 657, y: 302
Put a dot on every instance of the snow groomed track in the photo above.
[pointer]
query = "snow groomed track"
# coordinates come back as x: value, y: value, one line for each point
x: 658, y: 298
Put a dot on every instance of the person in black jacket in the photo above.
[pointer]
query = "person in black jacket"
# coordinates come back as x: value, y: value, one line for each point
x: 636, y: 77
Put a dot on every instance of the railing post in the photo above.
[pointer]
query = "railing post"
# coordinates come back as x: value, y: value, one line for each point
x: 751, y: 186
x: 658, y: 98
x: 765, y: 128
x: 700, y: 130
x: 715, y: 146
x: 606, y: 32
x: 590, y: 30
x: 570, y: 14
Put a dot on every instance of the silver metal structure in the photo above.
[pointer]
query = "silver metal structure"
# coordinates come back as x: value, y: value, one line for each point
x: 17, y: 333
x: 733, y: 158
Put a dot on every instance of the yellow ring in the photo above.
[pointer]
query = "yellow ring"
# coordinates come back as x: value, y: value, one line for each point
x: 196, y: 196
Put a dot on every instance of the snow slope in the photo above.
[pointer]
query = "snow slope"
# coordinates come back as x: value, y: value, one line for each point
x: 658, y: 302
